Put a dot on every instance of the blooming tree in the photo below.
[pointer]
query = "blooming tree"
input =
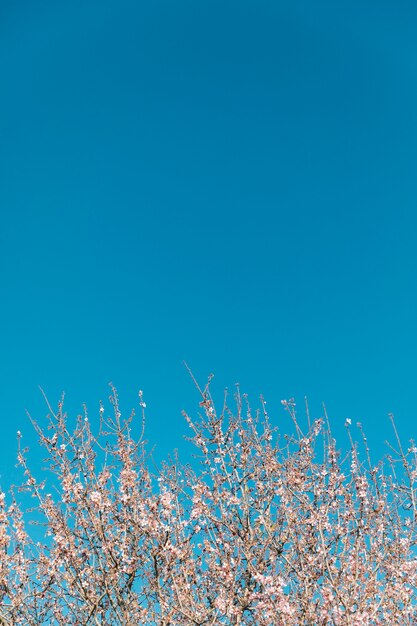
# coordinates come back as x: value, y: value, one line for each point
x: 259, y: 529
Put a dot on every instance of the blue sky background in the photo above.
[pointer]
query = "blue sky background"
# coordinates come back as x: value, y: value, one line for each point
x: 231, y: 183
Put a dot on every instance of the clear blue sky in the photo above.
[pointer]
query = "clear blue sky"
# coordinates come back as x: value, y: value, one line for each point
x: 232, y: 183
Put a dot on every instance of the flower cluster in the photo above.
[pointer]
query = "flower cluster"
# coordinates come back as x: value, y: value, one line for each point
x: 260, y: 530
